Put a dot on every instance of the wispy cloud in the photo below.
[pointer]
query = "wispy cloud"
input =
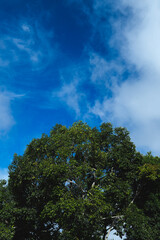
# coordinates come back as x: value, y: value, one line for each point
x: 70, y: 96
x: 6, y: 116
x: 25, y: 44
x: 104, y: 72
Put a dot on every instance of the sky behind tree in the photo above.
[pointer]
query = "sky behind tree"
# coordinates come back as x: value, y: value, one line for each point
x: 69, y: 60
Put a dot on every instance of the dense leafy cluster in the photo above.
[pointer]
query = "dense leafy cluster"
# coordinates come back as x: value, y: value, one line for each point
x: 79, y: 183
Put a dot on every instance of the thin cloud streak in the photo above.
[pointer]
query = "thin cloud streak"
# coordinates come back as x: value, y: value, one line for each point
x: 6, y: 116
x: 24, y: 44
x: 24, y: 47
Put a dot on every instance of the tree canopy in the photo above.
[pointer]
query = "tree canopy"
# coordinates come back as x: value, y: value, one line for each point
x: 79, y: 183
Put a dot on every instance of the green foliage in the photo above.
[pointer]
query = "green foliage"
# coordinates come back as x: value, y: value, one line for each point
x: 6, y: 213
x: 79, y: 182
x: 151, y: 167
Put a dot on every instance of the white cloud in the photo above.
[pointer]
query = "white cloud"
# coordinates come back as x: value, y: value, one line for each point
x: 135, y: 102
x: 143, y: 35
x: 6, y: 117
x: 103, y: 71
x: 99, y: 68
x: 26, y: 27
x: 69, y: 95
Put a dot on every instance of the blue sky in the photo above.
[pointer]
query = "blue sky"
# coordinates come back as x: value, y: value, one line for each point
x: 69, y: 60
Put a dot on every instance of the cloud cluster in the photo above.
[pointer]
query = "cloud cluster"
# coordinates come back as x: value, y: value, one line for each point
x: 135, y: 100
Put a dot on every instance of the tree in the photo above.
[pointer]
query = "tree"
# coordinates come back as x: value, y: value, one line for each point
x: 6, y: 213
x: 79, y: 183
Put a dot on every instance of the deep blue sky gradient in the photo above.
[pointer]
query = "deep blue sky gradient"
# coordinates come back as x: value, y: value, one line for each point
x: 56, y: 61
x: 61, y: 31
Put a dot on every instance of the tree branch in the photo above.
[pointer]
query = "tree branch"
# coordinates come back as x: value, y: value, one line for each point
x: 136, y: 194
